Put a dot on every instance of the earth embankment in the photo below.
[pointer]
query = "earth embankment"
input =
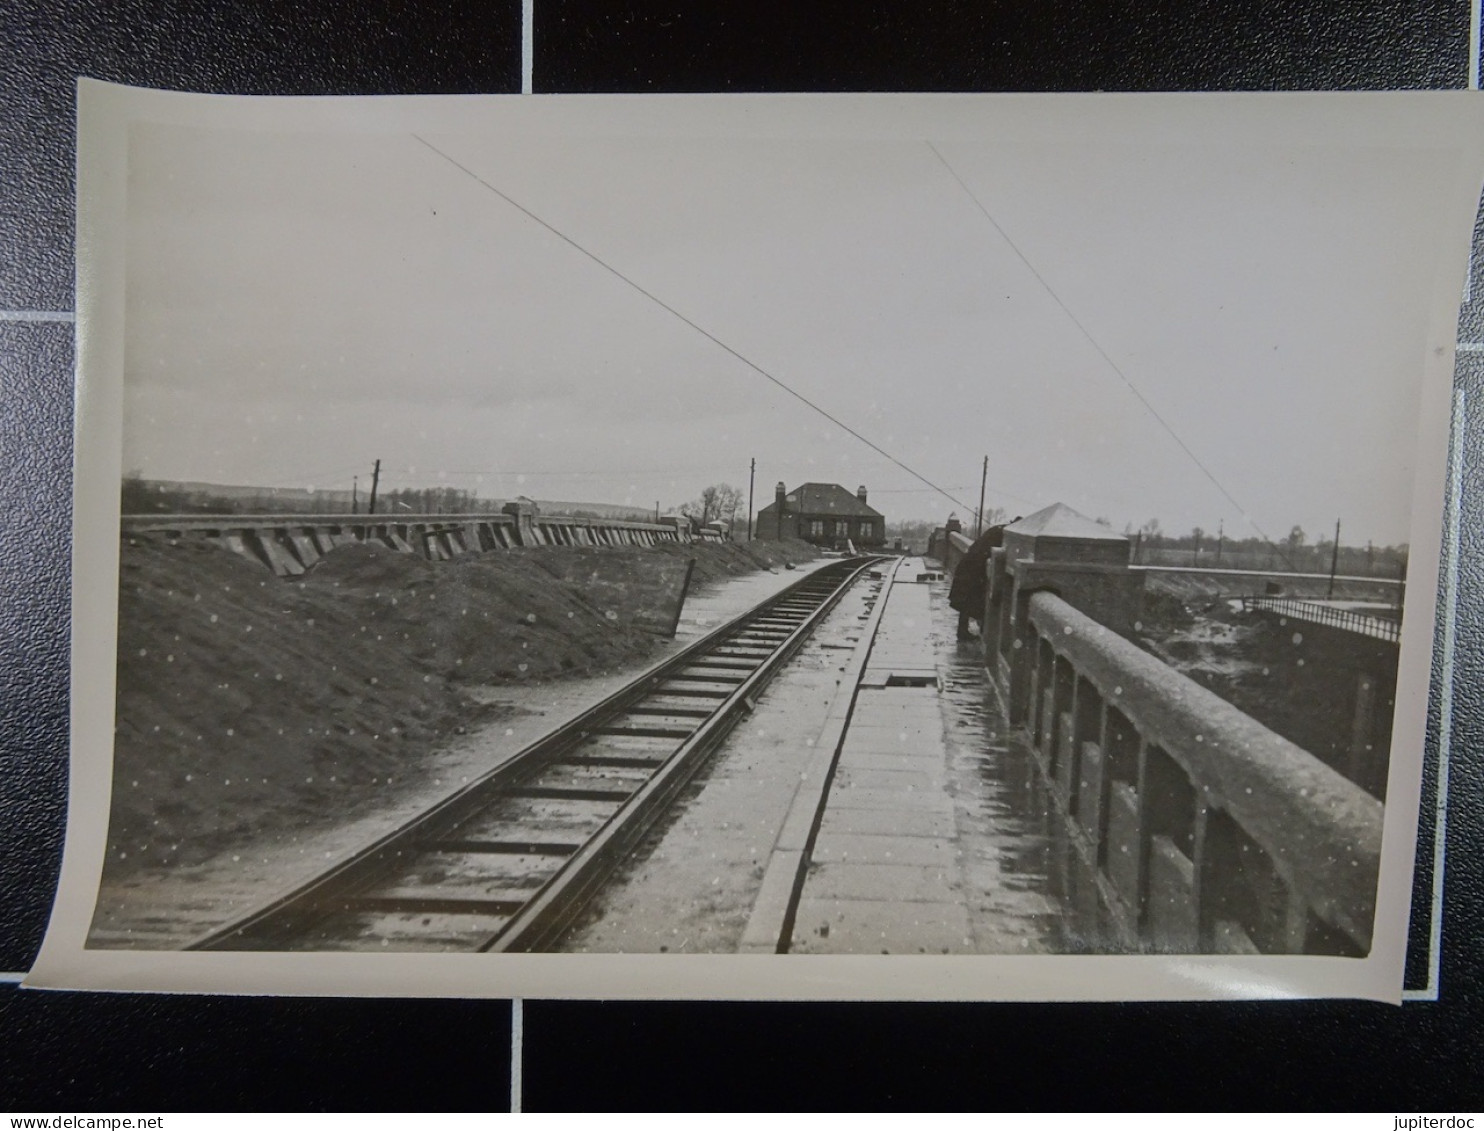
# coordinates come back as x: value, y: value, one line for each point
x: 248, y: 704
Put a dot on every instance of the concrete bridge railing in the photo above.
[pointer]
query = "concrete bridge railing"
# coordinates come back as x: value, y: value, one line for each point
x: 290, y: 544
x: 948, y: 544
x: 1207, y: 831
x: 1203, y: 830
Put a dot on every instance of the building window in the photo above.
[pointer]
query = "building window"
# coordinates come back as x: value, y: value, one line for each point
x: 816, y: 528
x: 842, y: 529
x: 868, y: 530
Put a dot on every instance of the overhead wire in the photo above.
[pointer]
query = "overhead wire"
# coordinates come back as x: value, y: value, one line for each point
x: 758, y: 369
x: 1103, y: 353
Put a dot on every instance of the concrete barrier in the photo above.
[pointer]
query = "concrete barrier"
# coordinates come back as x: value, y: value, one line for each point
x: 1203, y: 830
x: 291, y: 544
x: 1229, y: 835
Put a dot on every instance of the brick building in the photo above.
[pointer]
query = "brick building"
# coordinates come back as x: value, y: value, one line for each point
x: 825, y: 514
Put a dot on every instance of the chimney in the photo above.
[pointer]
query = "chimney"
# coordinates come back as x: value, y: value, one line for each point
x: 860, y: 493
x: 778, y: 493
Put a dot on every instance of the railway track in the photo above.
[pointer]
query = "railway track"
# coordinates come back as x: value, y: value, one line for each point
x: 508, y: 862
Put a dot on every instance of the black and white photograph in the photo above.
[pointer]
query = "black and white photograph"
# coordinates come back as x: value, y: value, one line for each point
x: 525, y: 545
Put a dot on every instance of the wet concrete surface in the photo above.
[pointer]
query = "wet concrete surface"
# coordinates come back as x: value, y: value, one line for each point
x: 935, y: 838
x: 691, y: 884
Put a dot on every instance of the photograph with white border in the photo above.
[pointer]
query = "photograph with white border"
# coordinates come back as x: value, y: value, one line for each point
x: 840, y: 547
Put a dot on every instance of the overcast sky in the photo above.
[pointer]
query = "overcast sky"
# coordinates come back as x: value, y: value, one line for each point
x: 301, y: 305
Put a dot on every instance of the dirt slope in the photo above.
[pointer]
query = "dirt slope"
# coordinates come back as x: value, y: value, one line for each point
x: 249, y: 704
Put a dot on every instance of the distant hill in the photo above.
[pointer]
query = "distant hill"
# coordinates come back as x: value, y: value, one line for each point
x: 595, y: 510
x: 166, y: 496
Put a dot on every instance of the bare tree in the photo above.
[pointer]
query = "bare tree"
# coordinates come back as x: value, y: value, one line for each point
x: 721, y: 502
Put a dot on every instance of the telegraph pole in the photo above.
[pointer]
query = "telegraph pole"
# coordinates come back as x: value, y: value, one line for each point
x: 979, y: 519
x: 375, y: 479
x: 355, y: 498
x: 1334, y: 559
x: 1220, y: 539
x: 751, y: 475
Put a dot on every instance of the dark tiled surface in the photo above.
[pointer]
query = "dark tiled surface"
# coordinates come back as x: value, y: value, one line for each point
x: 1049, y: 45
x: 1041, y: 1057
x: 36, y: 267
x: 1462, y: 979
x: 36, y: 499
x: 122, y: 1051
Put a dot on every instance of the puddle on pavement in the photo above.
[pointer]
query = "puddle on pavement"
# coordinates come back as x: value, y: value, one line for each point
x: 1029, y: 889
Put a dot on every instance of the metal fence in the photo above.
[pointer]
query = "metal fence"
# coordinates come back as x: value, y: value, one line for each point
x: 1347, y: 619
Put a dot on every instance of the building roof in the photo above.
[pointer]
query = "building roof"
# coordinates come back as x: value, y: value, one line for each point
x: 815, y: 499
x: 1061, y: 521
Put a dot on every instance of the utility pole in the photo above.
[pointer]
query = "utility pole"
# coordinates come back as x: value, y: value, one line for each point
x: 751, y: 475
x: 1220, y: 539
x: 979, y: 519
x: 355, y: 498
x: 1334, y: 559
x: 656, y: 512
x: 375, y: 480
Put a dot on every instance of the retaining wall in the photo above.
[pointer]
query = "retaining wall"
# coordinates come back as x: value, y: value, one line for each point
x: 290, y: 544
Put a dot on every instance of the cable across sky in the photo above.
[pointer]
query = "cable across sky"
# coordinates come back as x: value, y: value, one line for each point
x: 614, y: 271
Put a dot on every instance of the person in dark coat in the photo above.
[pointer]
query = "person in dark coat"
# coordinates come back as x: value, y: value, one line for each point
x: 970, y: 580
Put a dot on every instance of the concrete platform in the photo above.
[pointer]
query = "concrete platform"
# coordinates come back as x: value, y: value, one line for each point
x: 904, y: 861
x: 924, y: 836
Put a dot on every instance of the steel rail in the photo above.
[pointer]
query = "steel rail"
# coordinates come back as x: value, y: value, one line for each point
x: 561, y: 899
x: 562, y: 896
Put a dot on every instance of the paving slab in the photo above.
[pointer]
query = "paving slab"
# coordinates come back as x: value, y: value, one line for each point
x: 890, y: 800
x: 920, y: 849
x: 902, y: 883
x: 903, y: 760
x: 854, y: 777
x: 887, y: 848
x: 886, y: 821
x: 857, y: 926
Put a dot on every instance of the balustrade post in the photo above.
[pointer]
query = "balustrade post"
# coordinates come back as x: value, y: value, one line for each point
x: 1085, y: 563
x: 525, y: 532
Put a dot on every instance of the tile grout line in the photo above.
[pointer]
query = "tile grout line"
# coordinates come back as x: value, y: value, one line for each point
x: 528, y: 43
x: 37, y: 316
x: 517, y: 1043
x: 1445, y: 709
